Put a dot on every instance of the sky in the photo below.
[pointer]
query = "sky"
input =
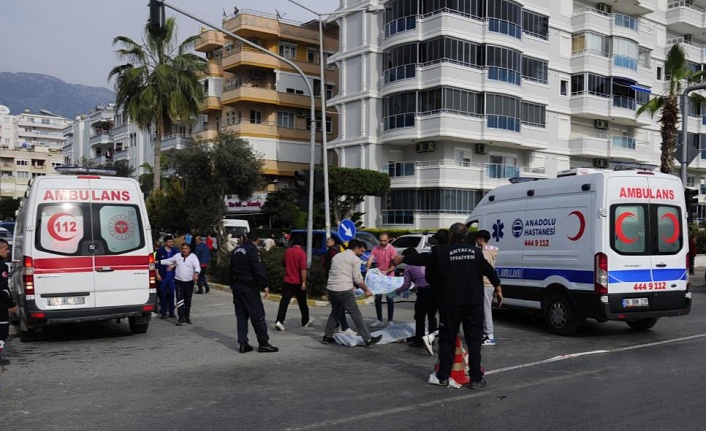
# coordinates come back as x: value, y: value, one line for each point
x: 72, y: 39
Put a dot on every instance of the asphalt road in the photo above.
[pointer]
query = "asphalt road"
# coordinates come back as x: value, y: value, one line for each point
x: 192, y: 378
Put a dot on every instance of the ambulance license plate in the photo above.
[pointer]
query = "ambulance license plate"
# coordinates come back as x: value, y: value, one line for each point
x: 67, y: 300
x: 635, y: 302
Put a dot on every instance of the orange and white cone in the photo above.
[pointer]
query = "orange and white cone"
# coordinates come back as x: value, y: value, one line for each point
x: 459, y: 370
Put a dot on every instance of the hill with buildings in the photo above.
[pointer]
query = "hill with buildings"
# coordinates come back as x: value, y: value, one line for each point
x: 34, y: 91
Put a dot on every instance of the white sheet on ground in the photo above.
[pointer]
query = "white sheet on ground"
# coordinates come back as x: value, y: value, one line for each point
x: 380, y: 284
x: 391, y: 334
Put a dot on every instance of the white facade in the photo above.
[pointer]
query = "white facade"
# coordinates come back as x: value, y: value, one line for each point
x: 30, y: 146
x: 106, y: 135
x: 454, y: 99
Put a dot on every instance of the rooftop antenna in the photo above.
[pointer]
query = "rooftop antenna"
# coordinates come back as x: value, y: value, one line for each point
x: 224, y: 13
x: 279, y: 16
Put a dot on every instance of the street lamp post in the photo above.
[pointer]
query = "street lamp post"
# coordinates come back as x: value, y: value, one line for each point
x: 312, y: 164
x: 369, y: 9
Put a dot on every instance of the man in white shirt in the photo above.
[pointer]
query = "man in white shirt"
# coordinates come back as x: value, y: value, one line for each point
x: 185, y: 274
x: 345, y: 271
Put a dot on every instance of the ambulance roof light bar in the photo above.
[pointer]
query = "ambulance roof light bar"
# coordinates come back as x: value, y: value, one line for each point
x: 85, y: 170
x: 631, y: 166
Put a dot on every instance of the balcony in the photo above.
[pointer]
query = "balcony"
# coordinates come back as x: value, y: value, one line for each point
x: 175, y: 142
x: 242, y: 56
x: 270, y: 130
x: 248, y: 23
x: 101, y: 139
x: 266, y: 94
x: 209, y: 41
x: 99, y: 160
x: 614, y: 147
x: 120, y: 155
x: 694, y: 51
x: 455, y: 174
x: 211, y: 104
x: 206, y: 133
x: 684, y: 17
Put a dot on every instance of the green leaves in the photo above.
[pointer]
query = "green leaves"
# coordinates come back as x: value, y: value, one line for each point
x: 349, y: 186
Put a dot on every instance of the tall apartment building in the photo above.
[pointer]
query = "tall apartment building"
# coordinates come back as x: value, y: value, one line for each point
x: 264, y: 100
x: 30, y: 146
x: 453, y: 98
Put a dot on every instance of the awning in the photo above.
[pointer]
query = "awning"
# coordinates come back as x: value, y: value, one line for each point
x: 641, y: 89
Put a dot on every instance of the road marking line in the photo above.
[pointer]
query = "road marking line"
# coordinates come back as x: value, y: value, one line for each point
x: 594, y: 352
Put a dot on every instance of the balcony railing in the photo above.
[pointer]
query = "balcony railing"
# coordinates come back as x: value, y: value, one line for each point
x: 625, y: 102
x: 491, y: 170
x: 686, y: 4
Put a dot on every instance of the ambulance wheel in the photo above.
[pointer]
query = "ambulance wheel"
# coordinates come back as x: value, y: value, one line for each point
x: 560, y: 315
x: 137, y: 327
x: 642, y: 324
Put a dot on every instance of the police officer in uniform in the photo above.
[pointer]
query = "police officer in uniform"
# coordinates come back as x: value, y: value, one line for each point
x: 455, y: 271
x: 248, y: 276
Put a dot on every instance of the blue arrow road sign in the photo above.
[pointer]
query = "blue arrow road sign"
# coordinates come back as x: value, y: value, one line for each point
x: 346, y: 230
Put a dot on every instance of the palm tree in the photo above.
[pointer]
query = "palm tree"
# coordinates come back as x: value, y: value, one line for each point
x: 677, y: 70
x: 158, y: 85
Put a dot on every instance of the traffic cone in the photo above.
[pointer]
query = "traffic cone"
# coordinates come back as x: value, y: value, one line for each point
x: 459, y: 369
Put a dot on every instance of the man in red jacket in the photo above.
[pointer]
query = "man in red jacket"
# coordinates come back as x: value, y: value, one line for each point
x: 295, y: 271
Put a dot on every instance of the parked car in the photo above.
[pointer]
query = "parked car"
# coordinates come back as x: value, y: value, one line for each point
x: 418, y: 241
x: 9, y: 225
x: 6, y: 235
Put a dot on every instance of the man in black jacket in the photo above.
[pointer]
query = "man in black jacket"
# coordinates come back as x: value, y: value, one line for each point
x: 7, y: 305
x: 249, y: 275
x: 455, y: 272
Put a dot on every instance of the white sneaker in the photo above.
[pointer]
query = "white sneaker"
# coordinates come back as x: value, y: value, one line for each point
x: 433, y: 380
x: 454, y: 384
x: 307, y: 324
x: 377, y: 324
x: 350, y: 332
x: 428, y: 341
x: 279, y: 326
x: 390, y: 323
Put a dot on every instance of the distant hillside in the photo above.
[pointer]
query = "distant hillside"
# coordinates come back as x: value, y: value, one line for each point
x: 34, y: 91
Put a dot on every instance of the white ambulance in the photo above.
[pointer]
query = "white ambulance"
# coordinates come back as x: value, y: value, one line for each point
x: 82, y: 252
x: 607, y: 245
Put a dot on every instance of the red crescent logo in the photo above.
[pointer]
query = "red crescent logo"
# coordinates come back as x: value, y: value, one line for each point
x: 619, y: 228
x: 675, y: 222
x: 582, y: 225
x: 52, y: 231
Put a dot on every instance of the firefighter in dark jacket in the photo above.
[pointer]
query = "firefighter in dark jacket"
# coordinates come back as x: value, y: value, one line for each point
x: 248, y: 276
x: 7, y: 305
x: 455, y: 271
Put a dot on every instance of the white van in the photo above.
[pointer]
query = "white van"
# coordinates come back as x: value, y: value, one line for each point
x: 82, y: 252
x: 235, y: 227
x: 607, y: 245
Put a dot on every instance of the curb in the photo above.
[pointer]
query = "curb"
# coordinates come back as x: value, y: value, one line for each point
x: 276, y: 297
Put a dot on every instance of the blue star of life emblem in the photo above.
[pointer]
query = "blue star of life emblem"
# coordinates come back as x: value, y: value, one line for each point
x: 498, y: 227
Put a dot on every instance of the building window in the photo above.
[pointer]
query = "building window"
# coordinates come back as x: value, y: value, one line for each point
x: 535, y: 25
x: 505, y: 17
x: 400, y: 15
x: 329, y: 124
x: 534, y: 115
x: 659, y: 73
x: 451, y: 100
x: 502, y: 167
x: 22, y: 162
x: 626, y: 22
x: 644, y: 58
x: 625, y: 53
x: 312, y: 55
x: 588, y: 83
x: 288, y: 50
x: 535, y: 70
x: 399, y: 110
x: 285, y: 119
x: 504, y: 64
x: 22, y: 174
x: 400, y: 62
x: 589, y: 42
x: 255, y: 117
x: 447, y: 49
x: 502, y: 112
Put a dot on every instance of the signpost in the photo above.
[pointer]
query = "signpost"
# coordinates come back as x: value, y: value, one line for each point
x: 346, y: 230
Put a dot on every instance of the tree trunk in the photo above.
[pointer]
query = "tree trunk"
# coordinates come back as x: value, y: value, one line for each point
x: 669, y: 132
x: 157, y: 167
